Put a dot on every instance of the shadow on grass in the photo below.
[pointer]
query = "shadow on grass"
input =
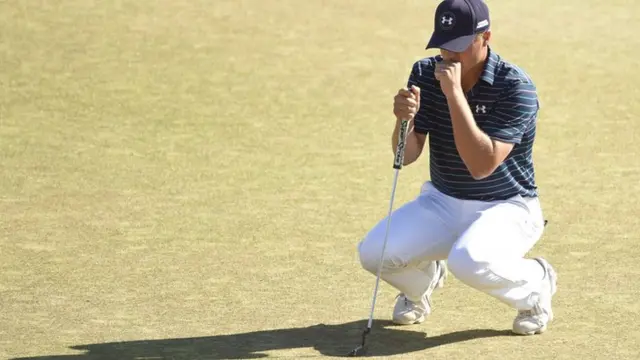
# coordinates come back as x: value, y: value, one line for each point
x: 329, y: 340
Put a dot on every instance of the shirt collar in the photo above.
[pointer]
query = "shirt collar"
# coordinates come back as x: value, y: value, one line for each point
x: 490, y: 65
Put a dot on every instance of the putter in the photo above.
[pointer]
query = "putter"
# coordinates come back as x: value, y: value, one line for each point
x: 397, y: 165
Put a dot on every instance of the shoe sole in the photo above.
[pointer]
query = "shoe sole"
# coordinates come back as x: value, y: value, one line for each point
x: 419, y: 320
x: 529, y: 333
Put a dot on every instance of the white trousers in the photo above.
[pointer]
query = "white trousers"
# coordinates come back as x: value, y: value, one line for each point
x: 484, y: 244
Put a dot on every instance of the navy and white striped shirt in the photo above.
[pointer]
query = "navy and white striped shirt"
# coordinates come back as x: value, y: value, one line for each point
x: 505, y: 106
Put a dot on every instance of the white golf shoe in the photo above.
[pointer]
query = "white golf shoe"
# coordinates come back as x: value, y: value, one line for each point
x: 407, y: 312
x: 535, y: 321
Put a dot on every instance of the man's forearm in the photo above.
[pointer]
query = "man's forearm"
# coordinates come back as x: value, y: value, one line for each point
x: 474, y: 146
x: 413, y: 146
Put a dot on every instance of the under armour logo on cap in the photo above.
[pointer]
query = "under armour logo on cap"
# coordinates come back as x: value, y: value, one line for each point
x: 447, y: 21
x: 457, y: 22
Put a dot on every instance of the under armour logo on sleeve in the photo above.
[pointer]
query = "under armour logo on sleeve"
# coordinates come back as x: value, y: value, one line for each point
x: 481, y: 109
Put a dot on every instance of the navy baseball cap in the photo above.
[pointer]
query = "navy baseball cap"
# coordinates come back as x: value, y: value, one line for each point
x: 457, y: 22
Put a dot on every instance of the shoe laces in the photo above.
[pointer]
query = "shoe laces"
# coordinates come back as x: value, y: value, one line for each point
x: 530, y: 313
x: 408, y: 303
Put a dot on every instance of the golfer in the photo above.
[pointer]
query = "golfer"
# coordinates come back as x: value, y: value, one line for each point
x: 480, y: 209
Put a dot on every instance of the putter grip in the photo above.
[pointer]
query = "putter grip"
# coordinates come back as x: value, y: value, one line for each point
x: 402, y: 138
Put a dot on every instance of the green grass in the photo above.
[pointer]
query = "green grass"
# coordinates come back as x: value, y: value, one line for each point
x: 189, y: 179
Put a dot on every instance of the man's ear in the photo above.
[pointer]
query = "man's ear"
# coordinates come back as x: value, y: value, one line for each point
x: 486, y: 37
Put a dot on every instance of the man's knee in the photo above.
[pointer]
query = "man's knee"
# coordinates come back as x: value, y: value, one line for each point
x: 369, y: 251
x: 465, y: 266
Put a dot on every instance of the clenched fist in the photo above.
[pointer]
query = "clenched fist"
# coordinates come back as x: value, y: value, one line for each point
x: 407, y: 103
x: 449, y: 74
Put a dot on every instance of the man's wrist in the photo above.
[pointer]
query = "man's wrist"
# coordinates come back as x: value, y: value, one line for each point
x: 454, y: 92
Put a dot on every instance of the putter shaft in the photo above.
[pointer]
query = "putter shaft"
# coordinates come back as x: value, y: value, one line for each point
x: 397, y: 165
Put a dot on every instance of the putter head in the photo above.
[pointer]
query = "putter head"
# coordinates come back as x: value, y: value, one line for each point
x: 358, y: 351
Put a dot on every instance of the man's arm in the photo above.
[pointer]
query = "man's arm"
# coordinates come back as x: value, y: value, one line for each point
x: 482, y: 152
x: 408, y: 105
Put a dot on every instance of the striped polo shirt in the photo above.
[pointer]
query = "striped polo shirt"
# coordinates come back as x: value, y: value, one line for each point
x: 505, y: 106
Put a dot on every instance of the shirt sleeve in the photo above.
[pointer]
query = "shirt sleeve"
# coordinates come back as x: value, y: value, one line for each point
x: 513, y: 113
x: 420, y: 121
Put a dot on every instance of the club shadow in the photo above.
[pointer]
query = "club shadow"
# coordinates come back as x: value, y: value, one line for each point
x: 329, y: 340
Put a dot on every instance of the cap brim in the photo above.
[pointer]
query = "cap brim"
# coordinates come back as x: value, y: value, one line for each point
x: 457, y: 44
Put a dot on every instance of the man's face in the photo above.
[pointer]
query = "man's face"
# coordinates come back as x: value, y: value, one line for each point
x: 471, y: 56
